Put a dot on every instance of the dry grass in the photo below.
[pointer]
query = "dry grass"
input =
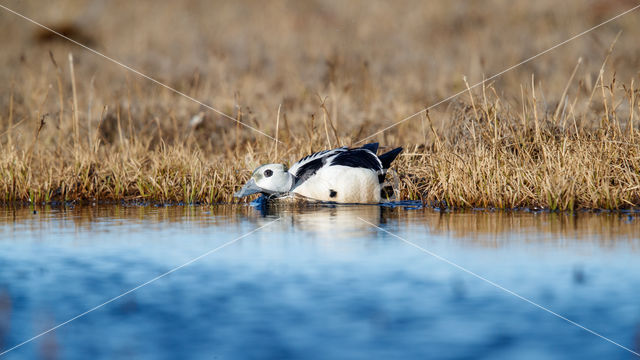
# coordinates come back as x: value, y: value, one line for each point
x: 557, y: 133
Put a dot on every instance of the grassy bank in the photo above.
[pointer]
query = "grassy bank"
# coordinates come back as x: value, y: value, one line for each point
x: 559, y: 133
x: 489, y: 157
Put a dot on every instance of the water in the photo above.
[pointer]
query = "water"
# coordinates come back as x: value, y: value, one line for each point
x: 319, y: 283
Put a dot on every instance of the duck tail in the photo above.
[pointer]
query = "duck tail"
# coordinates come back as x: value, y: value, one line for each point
x: 388, y: 157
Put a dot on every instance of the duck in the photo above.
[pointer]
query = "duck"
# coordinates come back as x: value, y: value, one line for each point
x: 340, y: 175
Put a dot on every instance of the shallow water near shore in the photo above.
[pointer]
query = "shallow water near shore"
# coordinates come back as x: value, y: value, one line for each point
x: 320, y: 282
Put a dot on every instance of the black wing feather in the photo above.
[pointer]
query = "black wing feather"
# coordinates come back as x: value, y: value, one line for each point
x: 358, y: 158
x: 295, y: 168
x: 373, y: 147
x: 309, y: 169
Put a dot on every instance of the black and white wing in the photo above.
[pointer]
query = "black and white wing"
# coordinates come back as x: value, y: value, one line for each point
x: 358, y: 158
x: 363, y: 157
x: 308, y: 165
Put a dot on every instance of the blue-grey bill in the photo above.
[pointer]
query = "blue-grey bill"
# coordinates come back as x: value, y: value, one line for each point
x: 248, y: 189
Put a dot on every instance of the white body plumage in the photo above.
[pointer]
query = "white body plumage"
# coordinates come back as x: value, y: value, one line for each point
x: 346, y: 184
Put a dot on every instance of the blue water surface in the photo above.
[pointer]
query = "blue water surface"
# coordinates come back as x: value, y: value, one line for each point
x: 320, y: 282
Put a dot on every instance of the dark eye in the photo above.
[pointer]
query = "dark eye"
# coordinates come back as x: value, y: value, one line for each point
x: 268, y: 173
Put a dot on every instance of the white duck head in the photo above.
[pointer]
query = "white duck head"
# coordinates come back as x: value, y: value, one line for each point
x: 269, y: 179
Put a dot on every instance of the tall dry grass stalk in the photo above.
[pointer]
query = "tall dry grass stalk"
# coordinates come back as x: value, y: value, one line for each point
x: 76, y: 127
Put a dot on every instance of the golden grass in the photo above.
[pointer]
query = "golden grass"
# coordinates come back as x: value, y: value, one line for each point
x: 558, y: 133
x: 493, y: 162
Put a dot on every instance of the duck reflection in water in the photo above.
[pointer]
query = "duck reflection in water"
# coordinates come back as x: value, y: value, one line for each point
x: 326, y: 219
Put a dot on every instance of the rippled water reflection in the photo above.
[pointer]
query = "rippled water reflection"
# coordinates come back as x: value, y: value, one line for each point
x: 319, y: 283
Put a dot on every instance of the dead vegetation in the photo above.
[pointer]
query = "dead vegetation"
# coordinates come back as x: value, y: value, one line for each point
x: 559, y: 133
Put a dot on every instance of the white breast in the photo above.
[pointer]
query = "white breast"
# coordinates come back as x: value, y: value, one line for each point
x: 346, y: 184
